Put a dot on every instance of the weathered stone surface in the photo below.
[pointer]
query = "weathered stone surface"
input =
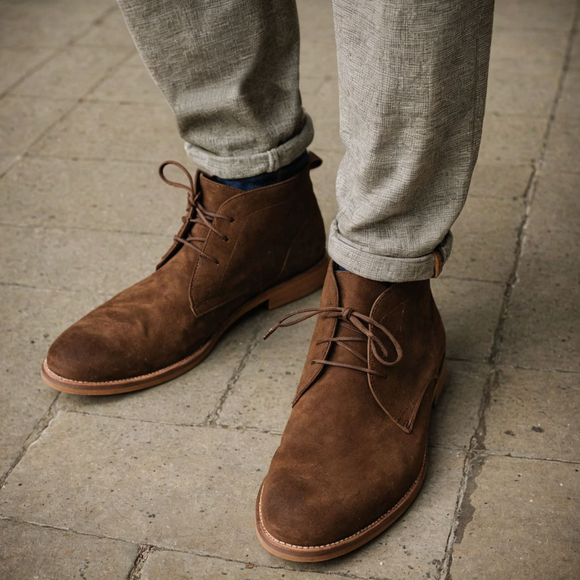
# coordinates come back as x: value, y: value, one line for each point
x: 520, y: 522
x: 568, y: 105
x: 521, y: 87
x: 564, y: 144
x: 110, y: 30
x: 504, y: 181
x: 113, y: 196
x: 511, y: 139
x: 24, y: 119
x: 37, y: 23
x: 470, y: 312
x: 535, y: 414
x: 71, y: 73
x: 456, y: 415
x: 542, y: 329
x: 262, y: 396
x: 129, y: 84
x: 175, y: 565
x: 16, y: 63
x: 485, y: 238
x: 115, y: 131
x: 188, y: 488
x: 534, y: 14
x: 30, y: 321
x: 69, y: 260
x: 30, y: 551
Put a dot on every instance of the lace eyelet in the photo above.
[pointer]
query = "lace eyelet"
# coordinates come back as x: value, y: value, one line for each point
x: 226, y: 239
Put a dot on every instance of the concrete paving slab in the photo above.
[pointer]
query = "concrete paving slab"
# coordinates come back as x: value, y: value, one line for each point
x: 70, y: 73
x: 109, y: 30
x: 165, y: 564
x: 511, y: 139
x: 470, y: 311
x: 324, y: 181
x: 318, y: 57
x: 114, y: 196
x: 262, y: 396
x: 556, y: 205
x: 535, y: 46
x: 316, y: 19
x: 30, y: 321
x: 568, y: 107
x: 75, y: 260
x: 24, y: 119
x: 542, y: 329
x: 503, y: 181
x: 30, y: 551
x: 36, y: 23
x: 534, y: 14
x: 129, y: 132
x: 520, y: 87
x: 129, y: 84
x: 485, y: 238
x: 535, y: 414
x: 16, y: 63
x: 563, y: 146
x: 187, y: 488
x: 519, y: 521
x: 456, y: 415
x: 7, y: 161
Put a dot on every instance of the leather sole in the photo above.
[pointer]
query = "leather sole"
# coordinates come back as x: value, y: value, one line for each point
x: 341, y: 547
x: 279, y: 295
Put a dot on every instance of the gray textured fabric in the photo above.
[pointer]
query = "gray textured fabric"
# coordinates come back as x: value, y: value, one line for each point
x: 412, y: 83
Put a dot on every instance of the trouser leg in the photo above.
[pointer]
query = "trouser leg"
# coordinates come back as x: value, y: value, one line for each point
x: 412, y: 81
x: 229, y: 70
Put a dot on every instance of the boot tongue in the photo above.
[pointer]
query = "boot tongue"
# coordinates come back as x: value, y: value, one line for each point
x: 358, y: 293
x: 213, y: 194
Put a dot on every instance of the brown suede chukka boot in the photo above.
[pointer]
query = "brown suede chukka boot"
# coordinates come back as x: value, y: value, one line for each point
x: 353, y: 455
x: 236, y: 250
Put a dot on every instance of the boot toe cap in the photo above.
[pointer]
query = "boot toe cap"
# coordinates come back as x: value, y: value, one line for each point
x: 301, y: 512
x: 79, y: 354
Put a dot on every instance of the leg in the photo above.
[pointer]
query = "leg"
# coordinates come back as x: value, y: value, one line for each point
x: 229, y: 70
x: 413, y: 77
x: 353, y: 457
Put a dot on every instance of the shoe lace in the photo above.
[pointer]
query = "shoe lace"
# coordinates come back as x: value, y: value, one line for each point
x: 352, y: 320
x: 200, y: 215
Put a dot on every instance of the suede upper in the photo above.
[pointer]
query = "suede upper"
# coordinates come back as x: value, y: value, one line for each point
x: 355, y: 442
x: 262, y: 237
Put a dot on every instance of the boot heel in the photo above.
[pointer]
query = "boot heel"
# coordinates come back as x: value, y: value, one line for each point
x: 440, y: 383
x: 299, y: 286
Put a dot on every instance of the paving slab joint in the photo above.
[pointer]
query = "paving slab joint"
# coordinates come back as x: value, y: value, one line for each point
x: 476, y: 456
x: 212, y: 418
x: 34, y: 436
x: 142, y: 555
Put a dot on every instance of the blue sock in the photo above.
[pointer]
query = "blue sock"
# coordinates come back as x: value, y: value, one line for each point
x: 265, y: 179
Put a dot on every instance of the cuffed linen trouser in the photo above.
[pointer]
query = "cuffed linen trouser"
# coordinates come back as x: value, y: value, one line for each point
x: 412, y: 83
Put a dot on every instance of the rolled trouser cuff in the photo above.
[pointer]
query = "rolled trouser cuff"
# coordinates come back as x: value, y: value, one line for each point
x: 387, y: 268
x: 238, y: 167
